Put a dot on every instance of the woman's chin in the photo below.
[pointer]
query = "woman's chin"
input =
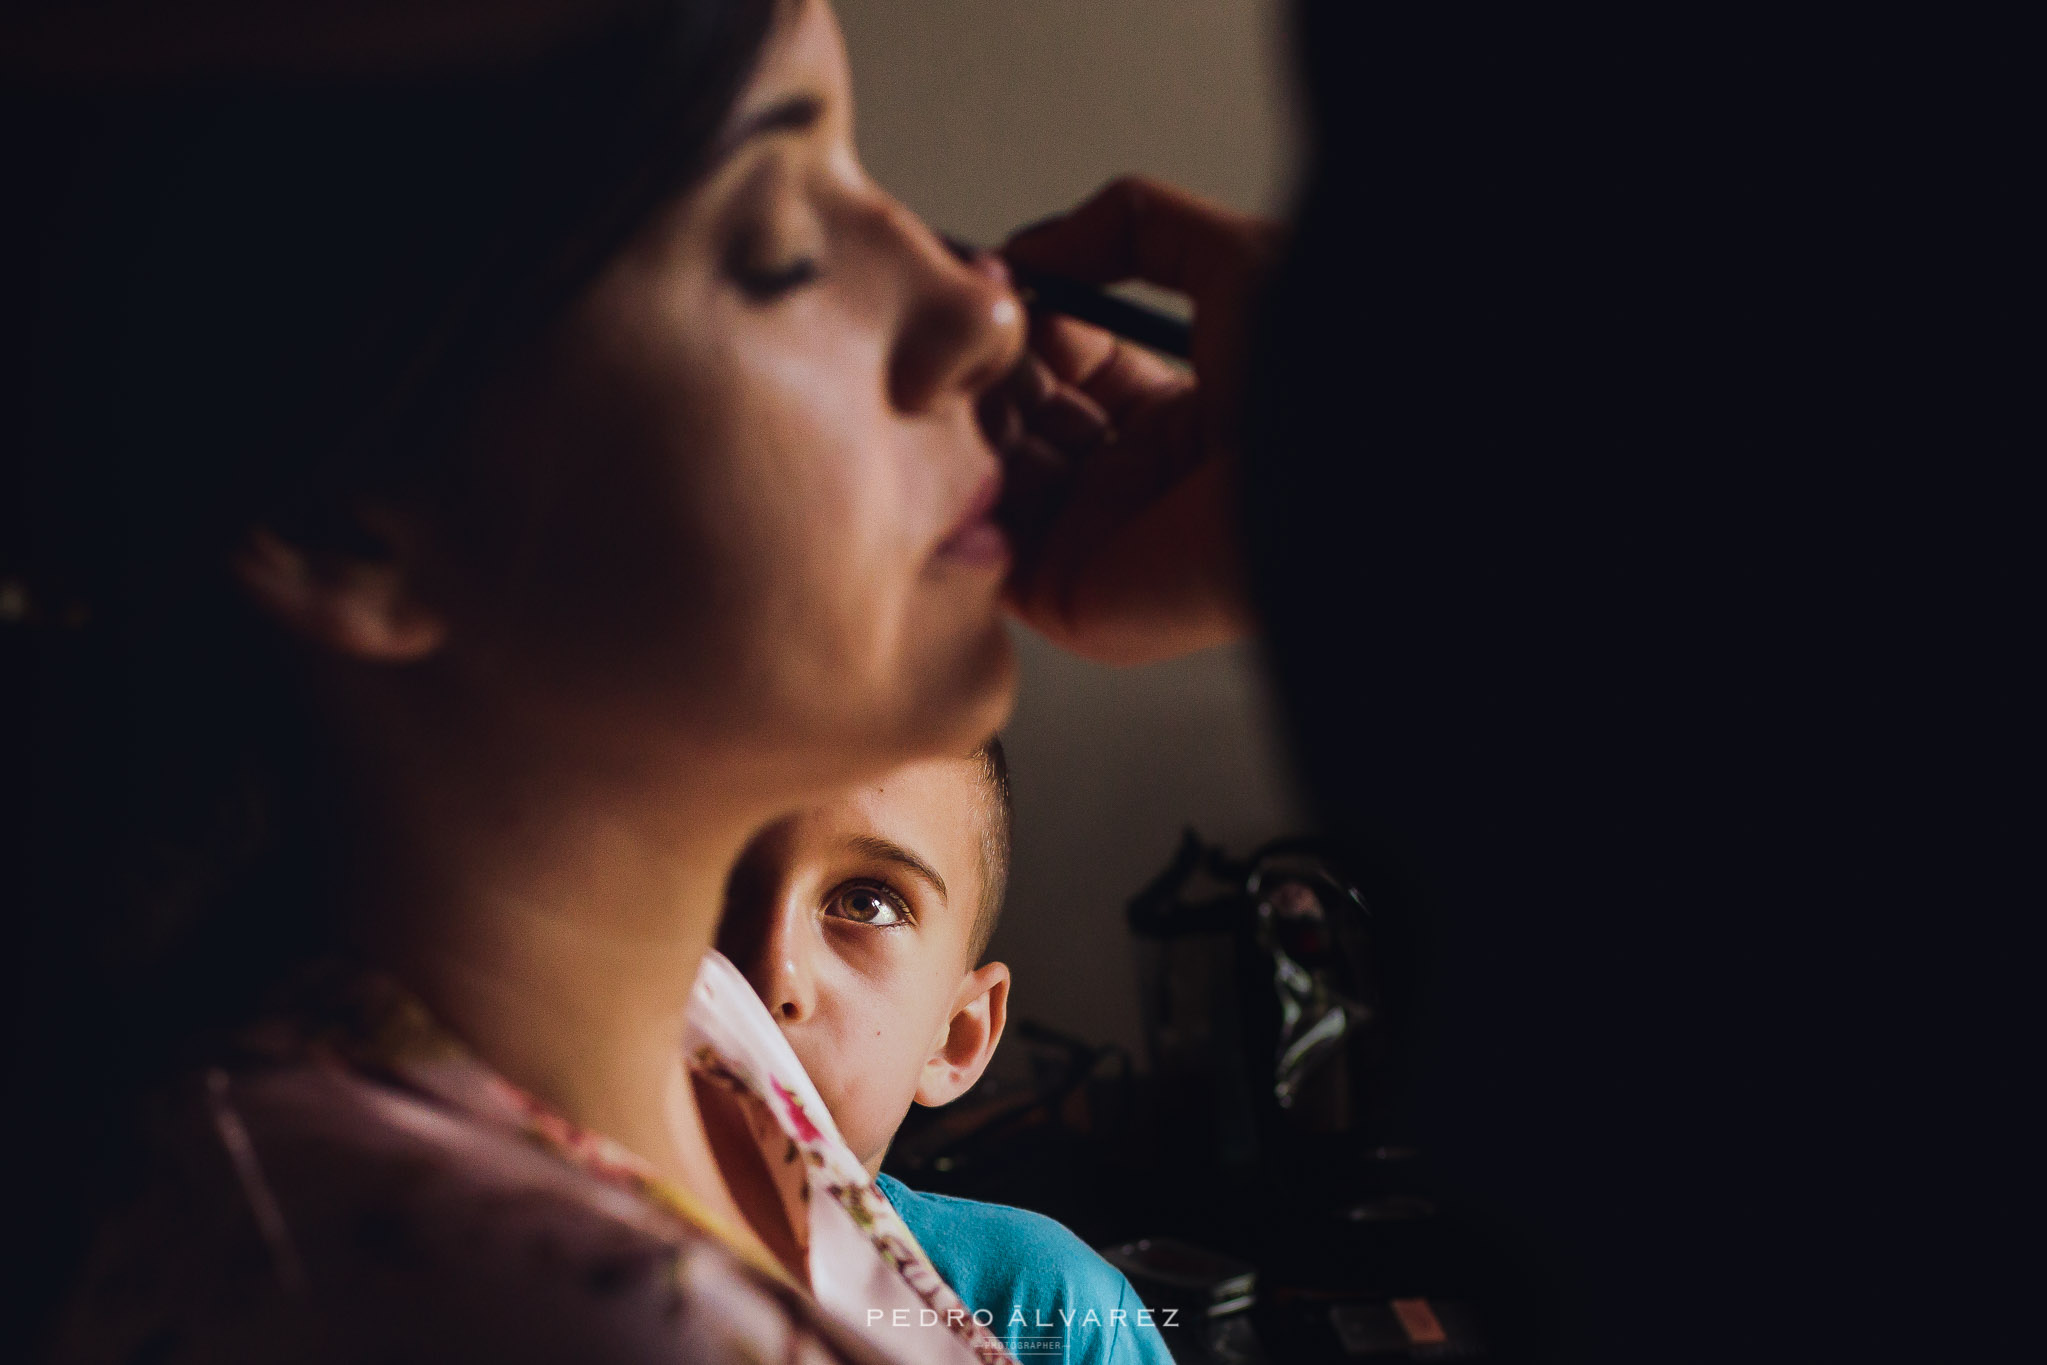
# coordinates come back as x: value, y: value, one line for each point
x: 956, y: 705
x: 991, y: 697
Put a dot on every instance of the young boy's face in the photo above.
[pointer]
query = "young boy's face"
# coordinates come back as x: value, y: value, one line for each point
x: 854, y: 921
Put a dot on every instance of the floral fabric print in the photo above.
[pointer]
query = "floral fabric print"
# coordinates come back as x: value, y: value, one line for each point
x: 352, y: 1184
x: 865, y: 1264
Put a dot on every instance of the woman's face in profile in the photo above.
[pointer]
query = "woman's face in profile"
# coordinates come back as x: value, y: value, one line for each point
x: 739, y: 496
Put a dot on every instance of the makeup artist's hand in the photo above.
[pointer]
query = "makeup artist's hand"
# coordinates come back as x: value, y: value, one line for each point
x: 1121, y: 466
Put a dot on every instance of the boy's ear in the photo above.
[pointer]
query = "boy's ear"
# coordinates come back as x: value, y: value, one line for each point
x: 979, y: 1012
x: 360, y: 606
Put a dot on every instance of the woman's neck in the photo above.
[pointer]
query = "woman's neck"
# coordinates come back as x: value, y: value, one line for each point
x: 556, y: 926
x: 583, y: 1011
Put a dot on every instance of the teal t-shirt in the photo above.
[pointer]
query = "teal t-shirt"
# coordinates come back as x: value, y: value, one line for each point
x: 1037, y: 1286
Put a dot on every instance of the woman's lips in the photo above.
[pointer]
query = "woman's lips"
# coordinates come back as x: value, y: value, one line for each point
x: 975, y: 539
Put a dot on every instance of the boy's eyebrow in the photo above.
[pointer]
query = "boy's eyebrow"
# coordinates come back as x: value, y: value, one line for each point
x: 874, y: 846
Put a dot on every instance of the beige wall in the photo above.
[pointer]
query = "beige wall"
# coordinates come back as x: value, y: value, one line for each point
x: 985, y: 114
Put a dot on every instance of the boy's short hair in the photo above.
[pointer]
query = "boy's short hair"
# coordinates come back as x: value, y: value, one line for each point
x: 995, y: 835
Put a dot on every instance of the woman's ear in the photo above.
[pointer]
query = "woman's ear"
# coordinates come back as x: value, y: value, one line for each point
x: 978, y: 1013
x: 362, y: 607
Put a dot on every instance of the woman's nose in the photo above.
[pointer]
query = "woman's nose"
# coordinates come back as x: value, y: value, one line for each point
x: 963, y: 327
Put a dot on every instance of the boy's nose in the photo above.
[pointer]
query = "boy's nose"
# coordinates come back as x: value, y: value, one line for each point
x: 790, y: 987
x: 794, y: 1001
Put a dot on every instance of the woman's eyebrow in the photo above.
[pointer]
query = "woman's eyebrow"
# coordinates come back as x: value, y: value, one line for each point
x: 875, y: 846
x: 795, y: 114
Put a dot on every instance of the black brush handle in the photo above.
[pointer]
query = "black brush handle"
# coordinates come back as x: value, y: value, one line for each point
x: 1149, y: 328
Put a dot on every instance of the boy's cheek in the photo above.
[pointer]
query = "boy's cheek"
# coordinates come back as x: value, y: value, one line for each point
x: 807, y: 1043
x: 816, y: 1060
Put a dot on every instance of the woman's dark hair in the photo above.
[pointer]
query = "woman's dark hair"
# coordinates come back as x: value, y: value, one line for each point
x: 230, y: 301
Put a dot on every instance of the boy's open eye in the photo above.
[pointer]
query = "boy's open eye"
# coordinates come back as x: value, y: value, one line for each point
x: 868, y: 903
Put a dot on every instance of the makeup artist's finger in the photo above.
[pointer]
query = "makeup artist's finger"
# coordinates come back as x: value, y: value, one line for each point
x: 1037, y: 477
x: 1070, y: 419
x: 1035, y: 400
x: 1006, y: 405
x: 1161, y: 584
x: 1037, y: 484
x: 1136, y: 228
x: 1116, y: 375
x: 1001, y: 417
x: 1030, y: 398
x: 1032, y: 381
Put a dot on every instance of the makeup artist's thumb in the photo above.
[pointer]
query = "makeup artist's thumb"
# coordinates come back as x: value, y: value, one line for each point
x: 1135, y: 228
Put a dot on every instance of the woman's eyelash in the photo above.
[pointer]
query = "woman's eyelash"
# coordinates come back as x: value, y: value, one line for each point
x: 764, y: 286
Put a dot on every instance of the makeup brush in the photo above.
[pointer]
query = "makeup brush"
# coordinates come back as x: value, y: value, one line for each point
x: 1149, y: 328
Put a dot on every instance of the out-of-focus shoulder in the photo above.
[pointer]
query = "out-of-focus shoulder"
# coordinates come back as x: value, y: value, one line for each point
x: 310, y: 1212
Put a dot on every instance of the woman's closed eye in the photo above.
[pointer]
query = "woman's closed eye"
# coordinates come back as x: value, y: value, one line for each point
x: 869, y: 903
x: 765, y: 284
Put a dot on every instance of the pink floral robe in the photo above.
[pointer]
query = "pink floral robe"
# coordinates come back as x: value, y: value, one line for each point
x: 352, y: 1184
